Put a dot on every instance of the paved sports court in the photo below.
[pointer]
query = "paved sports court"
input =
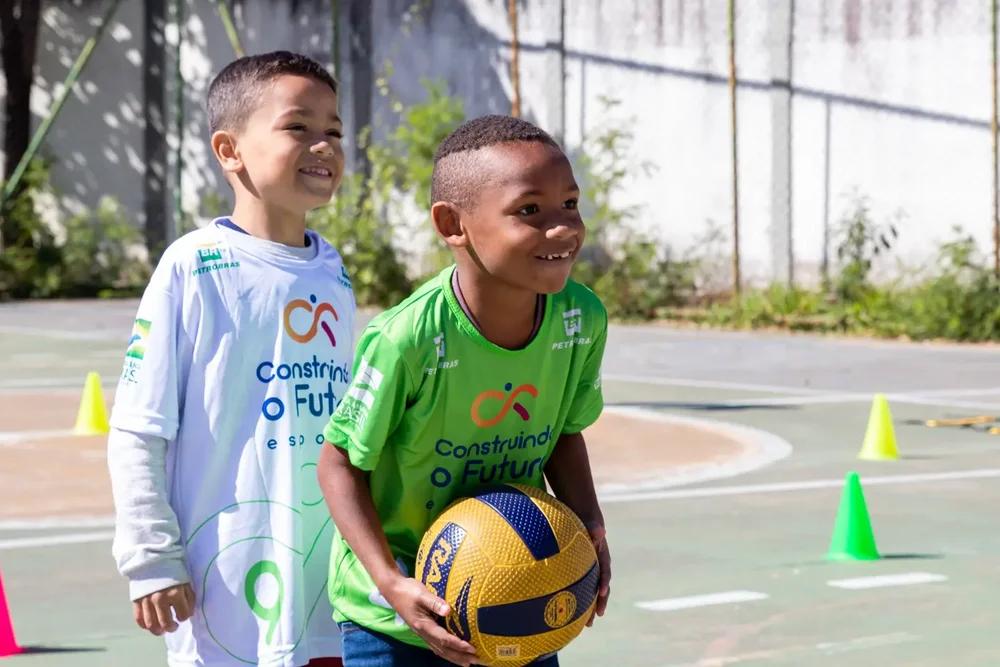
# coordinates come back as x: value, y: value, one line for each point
x: 722, y: 458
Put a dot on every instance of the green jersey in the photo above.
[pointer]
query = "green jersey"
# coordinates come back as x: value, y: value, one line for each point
x: 436, y: 411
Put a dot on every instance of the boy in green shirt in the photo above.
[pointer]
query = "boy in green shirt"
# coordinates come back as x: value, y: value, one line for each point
x: 487, y: 374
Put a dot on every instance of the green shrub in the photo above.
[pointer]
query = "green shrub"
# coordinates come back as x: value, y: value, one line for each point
x: 367, y: 211
x: 861, y: 242
x: 961, y: 301
x: 99, y: 255
x: 31, y: 260
x: 353, y: 224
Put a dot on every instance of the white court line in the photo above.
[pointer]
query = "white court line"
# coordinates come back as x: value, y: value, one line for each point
x: 809, y: 395
x: 728, y: 597
x: 871, y: 641
x: 48, y: 523
x: 887, y: 580
x: 104, y: 334
x: 786, y: 652
x: 784, y: 400
x: 10, y: 437
x: 57, y: 383
x: 785, y: 487
x: 963, y: 391
x: 52, y: 540
x: 713, y: 384
x: 943, y: 403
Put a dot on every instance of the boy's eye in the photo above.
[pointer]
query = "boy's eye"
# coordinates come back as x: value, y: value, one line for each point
x: 530, y: 209
x: 297, y: 127
x: 335, y: 133
x: 570, y: 204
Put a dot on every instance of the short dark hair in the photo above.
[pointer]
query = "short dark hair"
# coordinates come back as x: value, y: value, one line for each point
x: 455, y: 179
x: 235, y: 90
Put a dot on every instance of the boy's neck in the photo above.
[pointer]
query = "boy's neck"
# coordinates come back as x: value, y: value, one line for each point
x: 504, y: 316
x: 270, y: 223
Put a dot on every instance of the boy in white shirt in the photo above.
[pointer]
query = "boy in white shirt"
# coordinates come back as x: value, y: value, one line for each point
x: 241, y: 350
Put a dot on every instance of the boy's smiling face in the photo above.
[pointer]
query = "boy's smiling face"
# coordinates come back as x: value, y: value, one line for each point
x: 289, y: 152
x: 523, y: 227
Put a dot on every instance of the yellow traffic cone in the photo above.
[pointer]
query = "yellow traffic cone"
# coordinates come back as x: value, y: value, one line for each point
x: 880, y: 438
x: 92, y: 418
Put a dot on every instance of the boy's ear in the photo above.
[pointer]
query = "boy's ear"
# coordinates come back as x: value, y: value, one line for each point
x: 447, y: 219
x: 224, y: 148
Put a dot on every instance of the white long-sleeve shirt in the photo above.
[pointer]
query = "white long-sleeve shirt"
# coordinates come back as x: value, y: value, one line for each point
x: 241, y: 350
x: 147, y: 546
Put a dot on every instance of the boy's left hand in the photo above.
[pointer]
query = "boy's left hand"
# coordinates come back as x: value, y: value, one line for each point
x: 598, y: 535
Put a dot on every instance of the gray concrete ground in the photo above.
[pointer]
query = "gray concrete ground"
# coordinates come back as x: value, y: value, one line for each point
x: 753, y: 545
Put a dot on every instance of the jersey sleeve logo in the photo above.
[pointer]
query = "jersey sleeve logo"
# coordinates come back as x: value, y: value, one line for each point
x: 344, y: 278
x: 137, y: 343
x: 209, y: 254
x: 366, y: 384
x: 573, y: 322
x: 573, y: 326
x: 210, y: 259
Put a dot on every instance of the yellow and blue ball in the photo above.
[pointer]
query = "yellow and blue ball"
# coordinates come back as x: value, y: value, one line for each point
x: 517, y: 568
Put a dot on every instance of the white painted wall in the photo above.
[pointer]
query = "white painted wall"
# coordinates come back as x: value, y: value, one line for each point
x: 95, y: 145
x: 906, y: 83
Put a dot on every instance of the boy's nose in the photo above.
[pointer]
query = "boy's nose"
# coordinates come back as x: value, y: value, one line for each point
x: 564, y: 229
x: 322, y: 148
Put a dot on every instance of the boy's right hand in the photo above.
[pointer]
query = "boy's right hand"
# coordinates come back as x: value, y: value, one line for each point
x: 421, y: 609
x: 156, y: 611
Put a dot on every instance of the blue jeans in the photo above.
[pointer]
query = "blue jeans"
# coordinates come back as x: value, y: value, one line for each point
x: 367, y: 648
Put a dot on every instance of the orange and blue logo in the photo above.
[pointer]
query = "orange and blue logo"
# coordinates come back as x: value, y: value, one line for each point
x: 317, y: 322
x: 509, y: 402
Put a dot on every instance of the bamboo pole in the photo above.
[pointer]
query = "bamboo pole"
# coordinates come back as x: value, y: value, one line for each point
x: 993, y: 138
x: 731, y: 25
x: 515, y: 57
x: 180, y: 20
x: 227, y: 22
x: 68, y: 83
x: 335, y: 48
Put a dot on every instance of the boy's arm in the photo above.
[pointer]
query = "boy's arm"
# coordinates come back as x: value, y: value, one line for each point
x: 568, y: 473
x: 147, y: 545
x: 348, y: 497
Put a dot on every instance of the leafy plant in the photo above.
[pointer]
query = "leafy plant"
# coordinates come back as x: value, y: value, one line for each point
x: 30, y: 264
x: 99, y: 256
x: 367, y: 210
x: 861, y: 242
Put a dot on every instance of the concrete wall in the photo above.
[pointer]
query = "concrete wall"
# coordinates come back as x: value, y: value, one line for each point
x: 304, y: 26
x: 96, y: 144
x: 889, y: 99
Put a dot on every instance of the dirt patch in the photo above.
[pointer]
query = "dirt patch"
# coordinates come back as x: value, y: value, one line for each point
x: 626, y: 449
x: 64, y: 476
x: 41, y: 411
x: 55, y: 477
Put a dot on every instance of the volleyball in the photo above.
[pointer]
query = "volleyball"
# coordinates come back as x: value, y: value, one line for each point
x: 517, y: 568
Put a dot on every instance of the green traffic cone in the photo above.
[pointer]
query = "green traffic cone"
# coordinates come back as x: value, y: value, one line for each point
x: 852, y: 533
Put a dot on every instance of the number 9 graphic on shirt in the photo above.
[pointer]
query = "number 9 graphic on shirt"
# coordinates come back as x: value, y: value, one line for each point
x: 247, y: 597
x: 271, y: 614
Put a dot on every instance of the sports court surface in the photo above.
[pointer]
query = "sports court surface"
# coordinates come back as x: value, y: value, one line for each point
x: 721, y: 460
